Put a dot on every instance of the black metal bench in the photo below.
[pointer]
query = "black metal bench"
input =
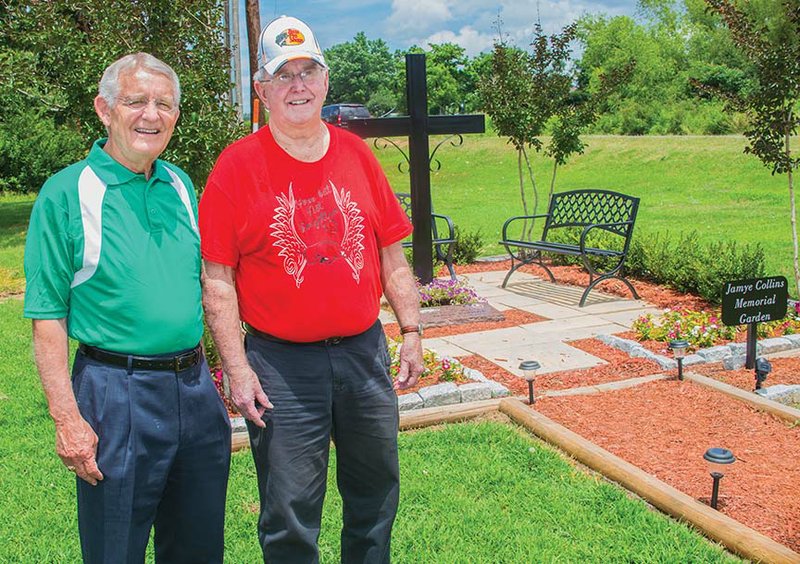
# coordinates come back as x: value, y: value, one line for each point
x: 590, y: 210
x: 440, y: 224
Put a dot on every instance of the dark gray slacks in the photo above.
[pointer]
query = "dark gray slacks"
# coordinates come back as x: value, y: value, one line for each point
x: 164, y: 451
x: 322, y: 391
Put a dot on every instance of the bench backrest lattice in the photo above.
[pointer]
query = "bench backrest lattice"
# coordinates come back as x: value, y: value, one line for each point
x: 581, y: 208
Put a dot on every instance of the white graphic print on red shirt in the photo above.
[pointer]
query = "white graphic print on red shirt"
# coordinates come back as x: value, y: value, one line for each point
x: 312, y: 231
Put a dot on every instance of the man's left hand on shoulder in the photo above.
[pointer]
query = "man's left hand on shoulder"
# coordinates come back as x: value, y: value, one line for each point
x: 411, y: 364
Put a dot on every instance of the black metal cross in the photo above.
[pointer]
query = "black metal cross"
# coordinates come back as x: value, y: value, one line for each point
x: 418, y: 126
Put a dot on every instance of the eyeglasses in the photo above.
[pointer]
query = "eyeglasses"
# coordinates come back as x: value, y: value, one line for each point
x: 311, y: 75
x: 138, y: 104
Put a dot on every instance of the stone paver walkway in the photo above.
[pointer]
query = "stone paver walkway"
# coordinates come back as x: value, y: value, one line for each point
x: 545, y: 341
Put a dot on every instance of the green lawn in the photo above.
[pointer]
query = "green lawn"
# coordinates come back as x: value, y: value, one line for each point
x: 14, y: 213
x: 686, y: 183
x: 482, y: 492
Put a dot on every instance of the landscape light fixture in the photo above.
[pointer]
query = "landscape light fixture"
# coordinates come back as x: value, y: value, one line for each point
x: 717, y: 459
x: 529, y: 368
x: 763, y: 367
x: 679, y: 348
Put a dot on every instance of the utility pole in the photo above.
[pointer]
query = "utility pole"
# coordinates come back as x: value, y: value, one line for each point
x: 253, y: 31
x: 235, y: 46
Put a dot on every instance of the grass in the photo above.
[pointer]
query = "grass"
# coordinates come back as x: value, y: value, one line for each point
x: 478, y: 492
x: 685, y: 183
x: 15, y: 210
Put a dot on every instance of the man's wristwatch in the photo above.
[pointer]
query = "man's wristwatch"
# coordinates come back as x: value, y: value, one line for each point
x: 411, y: 329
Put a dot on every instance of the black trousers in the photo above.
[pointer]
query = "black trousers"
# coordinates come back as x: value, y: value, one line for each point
x: 320, y: 392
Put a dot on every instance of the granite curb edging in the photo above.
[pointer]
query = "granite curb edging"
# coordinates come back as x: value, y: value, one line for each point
x: 448, y: 393
x: 731, y: 355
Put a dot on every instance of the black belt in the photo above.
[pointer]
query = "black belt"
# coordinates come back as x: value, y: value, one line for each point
x: 177, y: 363
x: 256, y: 333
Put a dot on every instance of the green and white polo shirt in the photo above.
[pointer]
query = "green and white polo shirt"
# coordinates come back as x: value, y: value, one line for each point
x: 117, y: 255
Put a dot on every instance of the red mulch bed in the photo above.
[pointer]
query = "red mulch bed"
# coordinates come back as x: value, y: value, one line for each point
x: 512, y: 317
x: 664, y: 428
x: 620, y: 367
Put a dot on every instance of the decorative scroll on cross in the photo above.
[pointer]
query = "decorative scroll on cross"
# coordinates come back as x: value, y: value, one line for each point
x: 418, y: 126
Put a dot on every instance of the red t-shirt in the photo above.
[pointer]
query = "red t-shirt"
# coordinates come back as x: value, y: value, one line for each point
x: 303, y: 238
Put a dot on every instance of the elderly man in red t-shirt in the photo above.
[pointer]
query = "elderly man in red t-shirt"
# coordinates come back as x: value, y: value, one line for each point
x: 300, y: 236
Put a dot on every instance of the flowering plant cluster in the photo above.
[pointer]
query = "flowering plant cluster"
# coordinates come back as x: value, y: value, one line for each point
x: 446, y: 291
x: 705, y: 329
x: 789, y: 325
x: 700, y: 328
x: 442, y: 368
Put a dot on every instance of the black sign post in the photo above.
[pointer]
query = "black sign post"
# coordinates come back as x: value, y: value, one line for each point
x: 749, y: 302
x: 418, y: 126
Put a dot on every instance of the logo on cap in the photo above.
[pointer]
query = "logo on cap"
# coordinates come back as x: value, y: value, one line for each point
x: 290, y: 37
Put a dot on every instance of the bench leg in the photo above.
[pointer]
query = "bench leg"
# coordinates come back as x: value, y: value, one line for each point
x: 602, y: 278
x: 448, y: 259
x: 536, y: 260
x: 510, y: 272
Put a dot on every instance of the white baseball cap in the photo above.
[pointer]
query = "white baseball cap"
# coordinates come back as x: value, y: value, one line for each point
x: 284, y: 39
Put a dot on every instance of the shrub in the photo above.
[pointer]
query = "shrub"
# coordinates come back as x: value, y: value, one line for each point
x: 33, y: 148
x: 468, y: 246
x: 681, y: 262
x: 690, y: 266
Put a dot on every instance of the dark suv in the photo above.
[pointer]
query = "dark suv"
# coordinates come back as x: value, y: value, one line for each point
x: 340, y: 114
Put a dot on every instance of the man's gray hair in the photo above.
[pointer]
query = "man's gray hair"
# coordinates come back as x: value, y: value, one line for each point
x: 261, y: 75
x: 109, y: 83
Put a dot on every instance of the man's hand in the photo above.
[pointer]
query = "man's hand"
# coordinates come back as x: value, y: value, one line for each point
x: 76, y: 445
x: 248, y: 396
x: 411, y: 364
x: 401, y: 291
x: 76, y: 441
x: 222, y: 314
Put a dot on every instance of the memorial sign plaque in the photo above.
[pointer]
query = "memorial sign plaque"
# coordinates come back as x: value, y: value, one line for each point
x: 754, y: 301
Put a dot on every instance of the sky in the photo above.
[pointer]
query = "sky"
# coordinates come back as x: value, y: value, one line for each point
x: 472, y: 24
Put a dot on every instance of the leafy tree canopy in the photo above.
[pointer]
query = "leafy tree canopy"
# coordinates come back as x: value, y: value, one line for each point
x: 767, y: 33
x: 363, y: 72
x: 54, y: 52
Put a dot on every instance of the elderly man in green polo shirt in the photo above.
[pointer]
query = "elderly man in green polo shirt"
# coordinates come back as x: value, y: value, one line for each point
x: 112, y: 259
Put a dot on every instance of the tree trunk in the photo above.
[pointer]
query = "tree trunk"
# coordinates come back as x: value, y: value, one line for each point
x: 535, y: 192
x: 520, y: 152
x: 552, y: 182
x: 793, y: 207
x: 253, y: 33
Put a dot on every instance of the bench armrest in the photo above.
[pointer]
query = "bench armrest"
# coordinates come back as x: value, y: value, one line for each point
x: 517, y: 218
x: 600, y: 225
x: 451, y: 230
